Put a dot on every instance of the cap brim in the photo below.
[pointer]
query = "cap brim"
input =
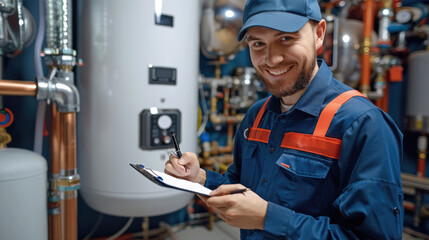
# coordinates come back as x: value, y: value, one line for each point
x: 281, y: 21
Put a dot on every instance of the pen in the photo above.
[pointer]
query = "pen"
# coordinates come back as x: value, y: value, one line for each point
x: 176, y: 146
x: 238, y: 191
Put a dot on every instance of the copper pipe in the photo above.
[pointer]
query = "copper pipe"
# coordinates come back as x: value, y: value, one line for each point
x: 54, y: 226
x: 18, y: 88
x: 421, y: 163
x: 55, y: 215
x: 226, y: 105
x: 68, y: 140
x: 230, y: 140
x: 383, y: 103
x: 69, y: 210
x: 55, y: 141
x: 368, y: 24
x: 68, y: 169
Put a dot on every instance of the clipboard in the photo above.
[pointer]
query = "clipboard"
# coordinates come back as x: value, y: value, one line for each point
x: 165, y: 180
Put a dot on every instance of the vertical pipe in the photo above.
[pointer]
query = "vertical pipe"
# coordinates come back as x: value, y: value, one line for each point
x: 51, y: 19
x: 54, y: 198
x: 68, y: 142
x: 68, y: 175
x: 1, y: 77
x: 368, y: 23
x: 65, y: 27
x: 385, y: 14
x: 145, y: 228
x: 422, y: 146
x: 69, y: 216
x: 383, y: 102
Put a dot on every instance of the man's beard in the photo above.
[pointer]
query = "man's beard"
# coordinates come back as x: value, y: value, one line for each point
x: 300, y: 83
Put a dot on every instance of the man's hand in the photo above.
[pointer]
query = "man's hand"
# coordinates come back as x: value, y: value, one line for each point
x: 243, y: 210
x: 192, y: 172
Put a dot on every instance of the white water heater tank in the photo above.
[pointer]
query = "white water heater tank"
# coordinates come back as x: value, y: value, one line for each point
x: 23, y: 195
x: 138, y: 84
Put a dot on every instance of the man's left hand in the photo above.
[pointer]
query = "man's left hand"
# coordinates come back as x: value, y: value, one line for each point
x: 243, y: 210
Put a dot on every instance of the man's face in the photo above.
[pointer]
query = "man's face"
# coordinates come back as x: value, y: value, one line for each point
x: 285, y: 62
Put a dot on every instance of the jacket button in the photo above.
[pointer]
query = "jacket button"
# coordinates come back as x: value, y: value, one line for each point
x: 395, y: 210
x: 271, y: 149
x: 264, y: 180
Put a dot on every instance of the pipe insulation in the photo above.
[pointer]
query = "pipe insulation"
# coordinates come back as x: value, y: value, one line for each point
x: 65, y: 27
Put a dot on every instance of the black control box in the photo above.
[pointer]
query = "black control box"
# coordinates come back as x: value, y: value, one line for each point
x: 155, y: 127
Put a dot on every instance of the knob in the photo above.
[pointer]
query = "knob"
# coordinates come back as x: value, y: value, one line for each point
x: 166, y: 139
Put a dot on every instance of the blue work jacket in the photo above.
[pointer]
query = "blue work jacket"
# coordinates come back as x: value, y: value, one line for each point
x: 357, y: 196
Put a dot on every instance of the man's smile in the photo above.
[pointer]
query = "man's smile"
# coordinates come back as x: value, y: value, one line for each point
x: 278, y: 72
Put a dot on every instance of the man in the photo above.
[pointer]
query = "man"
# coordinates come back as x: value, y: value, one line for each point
x: 320, y: 161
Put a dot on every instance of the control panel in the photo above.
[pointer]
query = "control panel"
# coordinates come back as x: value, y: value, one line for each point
x: 155, y: 127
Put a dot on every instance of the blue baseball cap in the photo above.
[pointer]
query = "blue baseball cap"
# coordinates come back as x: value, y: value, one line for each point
x: 281, y: 15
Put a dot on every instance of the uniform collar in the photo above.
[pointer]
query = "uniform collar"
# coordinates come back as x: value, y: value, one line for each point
x: 312, y: 99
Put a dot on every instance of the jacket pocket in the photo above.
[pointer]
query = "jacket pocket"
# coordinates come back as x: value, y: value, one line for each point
x: 302, y: 182
x: 304, y: 165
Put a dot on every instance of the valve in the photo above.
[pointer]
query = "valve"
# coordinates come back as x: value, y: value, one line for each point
x: 6, y: 118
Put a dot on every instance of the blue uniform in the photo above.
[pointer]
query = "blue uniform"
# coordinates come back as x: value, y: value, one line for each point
x: 312, y: 196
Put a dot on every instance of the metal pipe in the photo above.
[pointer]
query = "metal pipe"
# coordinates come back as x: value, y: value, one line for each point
x: 64, y: 93
x: 69, y: 181
x: 55, y: 141
x: 65, y: 27
x: 411, y: 180
x: 51, y: 22
x: 54, y: 197
x: 18, y: 88
x: 368, y: 23
x: 1, y: 76
x: 68, y: 141
x: 385, y: 14
x: 69, y: 216
x: 422, y: 144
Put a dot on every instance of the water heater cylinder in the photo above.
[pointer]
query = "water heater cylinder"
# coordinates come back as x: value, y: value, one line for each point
x: 139, y: 82
x: 23, y: 195
x: 417, y: 92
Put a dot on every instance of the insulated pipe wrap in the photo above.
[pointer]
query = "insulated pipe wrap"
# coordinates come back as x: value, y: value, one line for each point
x: 65, y: 28
x: 51, y: 32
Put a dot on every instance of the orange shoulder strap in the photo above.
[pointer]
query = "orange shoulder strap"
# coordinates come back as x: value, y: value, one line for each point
x: 329, y: 111
x: 256, y: 133
x: 261, y: 113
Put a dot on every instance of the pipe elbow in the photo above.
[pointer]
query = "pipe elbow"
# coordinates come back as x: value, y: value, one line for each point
x: 66, y: 96
x: 63, y: 93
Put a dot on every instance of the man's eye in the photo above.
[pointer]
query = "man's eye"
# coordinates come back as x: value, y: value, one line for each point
x: 286, y: 38
x: 258, y: 44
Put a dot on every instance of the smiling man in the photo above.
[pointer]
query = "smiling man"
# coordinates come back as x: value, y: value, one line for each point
x: 318, y: 159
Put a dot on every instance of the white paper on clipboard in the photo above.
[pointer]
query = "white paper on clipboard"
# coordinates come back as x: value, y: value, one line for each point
x: 166, y: 180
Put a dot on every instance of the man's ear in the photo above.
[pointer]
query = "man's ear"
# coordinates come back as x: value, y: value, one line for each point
x: 320, y: 33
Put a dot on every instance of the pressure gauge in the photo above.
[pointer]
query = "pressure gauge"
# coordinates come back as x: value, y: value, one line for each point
x: 404, y: 15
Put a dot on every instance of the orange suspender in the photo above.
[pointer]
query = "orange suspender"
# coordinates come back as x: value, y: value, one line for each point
x: 329, y: 111
x: 317, y: 142
x: 259, y: 134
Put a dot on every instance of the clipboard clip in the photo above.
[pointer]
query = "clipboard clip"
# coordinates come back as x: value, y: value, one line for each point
x: 152, y: 172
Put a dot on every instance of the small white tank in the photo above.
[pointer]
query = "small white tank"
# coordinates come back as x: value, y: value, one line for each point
x: 417, y: 95
x: 23, y: 195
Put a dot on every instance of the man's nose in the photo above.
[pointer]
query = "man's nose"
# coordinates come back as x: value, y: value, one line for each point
x: 273, y: 56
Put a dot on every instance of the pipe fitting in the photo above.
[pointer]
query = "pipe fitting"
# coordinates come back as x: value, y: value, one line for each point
x: 5, y: 138
x: 63, y: 93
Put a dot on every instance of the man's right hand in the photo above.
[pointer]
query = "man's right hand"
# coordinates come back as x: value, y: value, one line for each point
x: 187, y: 167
